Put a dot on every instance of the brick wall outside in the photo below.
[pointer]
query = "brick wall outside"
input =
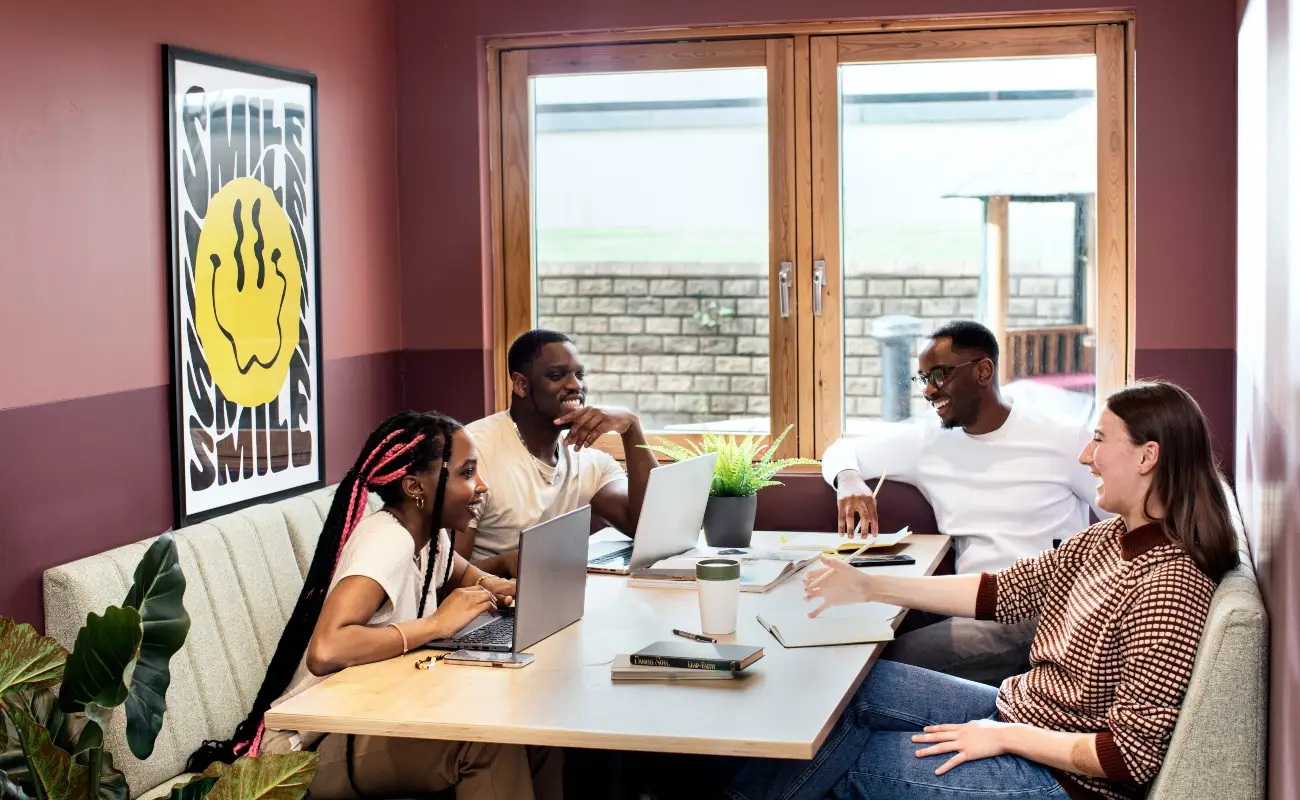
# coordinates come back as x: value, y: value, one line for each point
x: 683, y: 343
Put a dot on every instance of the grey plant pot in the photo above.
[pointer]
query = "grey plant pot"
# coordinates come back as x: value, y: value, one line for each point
x: 729, y: 521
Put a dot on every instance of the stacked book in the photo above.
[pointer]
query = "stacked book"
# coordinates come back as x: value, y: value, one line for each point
x: 679, y: 661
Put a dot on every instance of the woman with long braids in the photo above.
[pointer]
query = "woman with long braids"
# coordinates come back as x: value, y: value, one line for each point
x: 372, y: 594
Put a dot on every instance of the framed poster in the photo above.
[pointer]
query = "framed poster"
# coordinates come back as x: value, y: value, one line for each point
x: 244, y: 272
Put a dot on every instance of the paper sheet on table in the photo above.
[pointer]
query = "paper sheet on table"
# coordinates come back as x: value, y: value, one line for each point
x: 833, y: 542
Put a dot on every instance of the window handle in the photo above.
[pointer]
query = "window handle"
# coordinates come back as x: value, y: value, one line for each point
x: 819, y: 284
x: 785, y: 278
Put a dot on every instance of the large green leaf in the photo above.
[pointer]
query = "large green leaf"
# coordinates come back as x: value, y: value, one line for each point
x: 65, y: 731
x: 112, y: 783
x: 28, y: 659
x: 271, y: 777
x: 53, y: 774
x: 72, y: 732
x: 157, y: 594
x: 99, y: 669
x: 196, y: 789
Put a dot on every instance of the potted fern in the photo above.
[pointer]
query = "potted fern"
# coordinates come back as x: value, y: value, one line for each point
x: 52, y: 740
x: 744, y: 466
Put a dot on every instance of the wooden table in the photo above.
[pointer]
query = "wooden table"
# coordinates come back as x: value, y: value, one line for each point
x: 782, y: 707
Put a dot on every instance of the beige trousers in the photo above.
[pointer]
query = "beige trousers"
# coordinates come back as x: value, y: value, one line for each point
x: 391, y: 767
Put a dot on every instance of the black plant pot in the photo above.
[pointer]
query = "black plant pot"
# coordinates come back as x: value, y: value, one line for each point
x: 729, y: 521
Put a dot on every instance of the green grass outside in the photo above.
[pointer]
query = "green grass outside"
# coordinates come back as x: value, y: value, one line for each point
x: 665, y: 245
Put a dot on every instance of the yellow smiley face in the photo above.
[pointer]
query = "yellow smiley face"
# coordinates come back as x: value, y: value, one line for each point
x: 247, y: 285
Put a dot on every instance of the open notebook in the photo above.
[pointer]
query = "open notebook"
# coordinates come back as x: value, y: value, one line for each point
x: 760, y: 570
x: 856, y: 624
x: 833, y: 542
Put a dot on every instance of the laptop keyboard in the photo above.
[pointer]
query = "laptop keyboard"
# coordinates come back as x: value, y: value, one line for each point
x: 624, y: 555
x: 497, y: 632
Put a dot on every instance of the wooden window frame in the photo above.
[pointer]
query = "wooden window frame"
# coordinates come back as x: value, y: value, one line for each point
x: 1113, y: 288
x: 518, y: 66
x: 802, y: 118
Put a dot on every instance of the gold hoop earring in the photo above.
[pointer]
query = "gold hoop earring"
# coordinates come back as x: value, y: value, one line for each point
x: 419, y: 502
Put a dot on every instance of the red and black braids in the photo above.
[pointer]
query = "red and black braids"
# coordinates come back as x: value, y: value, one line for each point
x: 405, y: 443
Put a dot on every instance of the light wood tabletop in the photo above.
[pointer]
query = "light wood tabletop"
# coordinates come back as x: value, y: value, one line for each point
x: 781, y: 707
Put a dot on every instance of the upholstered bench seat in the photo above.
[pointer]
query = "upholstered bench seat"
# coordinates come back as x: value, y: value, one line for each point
x: 244, y: 570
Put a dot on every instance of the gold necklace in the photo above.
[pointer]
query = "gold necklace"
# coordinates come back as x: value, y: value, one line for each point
x: 537, y: 462
x: 415, y: 558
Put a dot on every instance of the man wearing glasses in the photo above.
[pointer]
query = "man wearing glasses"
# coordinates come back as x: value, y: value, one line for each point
x: 1004, y: 481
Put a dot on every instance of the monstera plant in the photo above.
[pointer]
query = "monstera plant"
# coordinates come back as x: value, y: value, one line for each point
x: 52, y: 745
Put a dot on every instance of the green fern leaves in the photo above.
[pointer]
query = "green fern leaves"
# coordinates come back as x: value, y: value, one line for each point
x: 744, y: 466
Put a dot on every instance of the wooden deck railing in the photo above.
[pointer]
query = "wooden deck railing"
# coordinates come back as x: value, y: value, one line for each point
x: 1055, y: 350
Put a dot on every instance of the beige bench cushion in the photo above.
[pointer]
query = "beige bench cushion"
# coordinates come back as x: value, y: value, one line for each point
x: 243, y: 572
x: 1219, y: 747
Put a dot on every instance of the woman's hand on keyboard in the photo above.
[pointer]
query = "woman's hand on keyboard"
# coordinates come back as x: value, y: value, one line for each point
x: 459, y: 609
x: 502, y: 588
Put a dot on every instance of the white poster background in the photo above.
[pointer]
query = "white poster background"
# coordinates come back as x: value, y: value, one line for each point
x: 224, y: 84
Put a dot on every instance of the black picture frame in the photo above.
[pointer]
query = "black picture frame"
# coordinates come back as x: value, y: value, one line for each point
x: 187, y: 377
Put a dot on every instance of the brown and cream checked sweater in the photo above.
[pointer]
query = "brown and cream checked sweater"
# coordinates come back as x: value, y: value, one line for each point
x: 1120, y: 615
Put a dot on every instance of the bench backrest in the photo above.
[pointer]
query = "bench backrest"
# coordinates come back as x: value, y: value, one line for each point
x: 243, y: 572
x: 1219, y: 748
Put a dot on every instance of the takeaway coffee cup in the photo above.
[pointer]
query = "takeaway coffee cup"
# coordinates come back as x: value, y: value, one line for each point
x: 718, y: 583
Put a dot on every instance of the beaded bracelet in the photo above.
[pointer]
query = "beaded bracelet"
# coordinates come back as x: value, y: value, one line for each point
x: 401, y: 633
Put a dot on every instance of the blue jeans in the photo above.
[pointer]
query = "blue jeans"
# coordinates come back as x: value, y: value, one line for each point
x: 870, y: 752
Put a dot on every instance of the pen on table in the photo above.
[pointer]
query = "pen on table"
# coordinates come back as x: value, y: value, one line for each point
x: 694, y: 636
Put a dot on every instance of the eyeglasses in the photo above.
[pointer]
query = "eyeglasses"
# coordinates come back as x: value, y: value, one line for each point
x: 938, y: 376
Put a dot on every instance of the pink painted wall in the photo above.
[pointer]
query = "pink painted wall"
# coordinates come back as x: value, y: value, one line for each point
x: 83, y: 292
x: 1184, y: 183
x: 1268, y: 364
x: 85, y: 461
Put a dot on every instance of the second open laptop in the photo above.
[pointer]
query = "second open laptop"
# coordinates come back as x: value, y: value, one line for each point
x: 671, y: 516
x: 550, y: 593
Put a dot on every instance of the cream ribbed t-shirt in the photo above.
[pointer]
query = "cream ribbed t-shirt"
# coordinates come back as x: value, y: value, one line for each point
x: 381, y: 549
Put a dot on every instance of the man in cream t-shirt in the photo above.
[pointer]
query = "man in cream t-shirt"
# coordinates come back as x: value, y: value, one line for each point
x: 1004, y: 480
x: 534, y: 470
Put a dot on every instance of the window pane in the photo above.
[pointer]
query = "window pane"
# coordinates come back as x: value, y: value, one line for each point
x: 650, y: 209
x: 924, y: 145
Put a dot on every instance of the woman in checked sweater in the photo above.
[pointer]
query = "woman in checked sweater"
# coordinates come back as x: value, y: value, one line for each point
x: 1120, y: 606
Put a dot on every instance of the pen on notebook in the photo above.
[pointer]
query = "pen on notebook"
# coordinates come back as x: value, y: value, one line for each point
x: 881, y: 482
x: 865, y: 544
x: 694, y: 636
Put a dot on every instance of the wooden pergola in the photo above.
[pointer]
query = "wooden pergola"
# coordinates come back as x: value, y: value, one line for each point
x: 1058, y: 165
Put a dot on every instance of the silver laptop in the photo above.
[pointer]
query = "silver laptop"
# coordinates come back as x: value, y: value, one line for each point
x: 670, y: 521
x: 550, y: 594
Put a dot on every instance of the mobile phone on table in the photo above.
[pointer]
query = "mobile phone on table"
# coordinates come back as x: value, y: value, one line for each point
x: 881, y: 561
x: 480, y: 658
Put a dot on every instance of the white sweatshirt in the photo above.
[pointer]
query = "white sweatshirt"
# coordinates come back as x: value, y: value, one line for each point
x: 1001, y: 496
